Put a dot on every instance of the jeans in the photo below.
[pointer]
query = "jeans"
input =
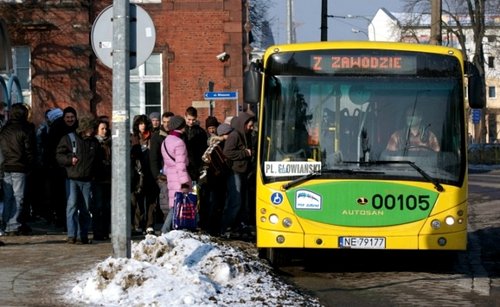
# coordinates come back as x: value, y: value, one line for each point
x: 77, y: 209
x: 13, y: 187
x: 236, y: 194
x: 167, y: 225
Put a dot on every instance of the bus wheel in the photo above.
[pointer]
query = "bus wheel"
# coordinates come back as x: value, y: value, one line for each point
x: 275, y: 256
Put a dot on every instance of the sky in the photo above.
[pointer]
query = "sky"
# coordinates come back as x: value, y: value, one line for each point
x: 308, y: 18
x: 183, y: 268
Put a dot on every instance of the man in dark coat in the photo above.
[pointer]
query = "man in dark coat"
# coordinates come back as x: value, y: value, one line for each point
x: 79, y: 153
x: 238, y: 151
x: 18, y: 145
x: 196, y: 142
x: 156, y: 163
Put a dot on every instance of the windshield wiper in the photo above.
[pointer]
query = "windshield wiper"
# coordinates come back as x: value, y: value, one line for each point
x: 424, y: 174
x: 304, y: 178
x: 299, y: 180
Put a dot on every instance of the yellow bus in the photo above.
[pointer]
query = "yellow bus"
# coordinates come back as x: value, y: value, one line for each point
x: 362, y: 145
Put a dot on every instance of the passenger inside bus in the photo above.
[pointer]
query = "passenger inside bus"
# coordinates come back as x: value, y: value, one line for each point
x: 415, y: 136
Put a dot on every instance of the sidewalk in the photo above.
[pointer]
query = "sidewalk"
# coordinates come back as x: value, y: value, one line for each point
x: 34, y: 270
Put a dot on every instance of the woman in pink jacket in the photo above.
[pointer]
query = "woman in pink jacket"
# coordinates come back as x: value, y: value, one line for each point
x: 175, y: 162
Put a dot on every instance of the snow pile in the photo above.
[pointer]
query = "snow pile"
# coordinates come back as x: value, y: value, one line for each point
x: 183, y: 268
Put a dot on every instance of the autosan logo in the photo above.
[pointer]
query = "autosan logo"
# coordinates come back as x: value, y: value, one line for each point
x: 307, y: 200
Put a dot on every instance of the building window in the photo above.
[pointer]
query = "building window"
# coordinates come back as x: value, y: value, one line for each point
x: 492, y: 92
x: 146, y: 87
x: 491, y: 62
x: 21, y: 56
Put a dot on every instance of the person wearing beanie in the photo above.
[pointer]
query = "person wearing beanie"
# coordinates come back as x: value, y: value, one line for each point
x: 156, y: 164
x: 216, y: 172
x: 175, y: 161
x: 53, y: 114
x: 55, y: 193
x: 78, y: 152
x: 176, y: 123
x: 154, y: 117
x: 224, y: 129
x: 211, y: 124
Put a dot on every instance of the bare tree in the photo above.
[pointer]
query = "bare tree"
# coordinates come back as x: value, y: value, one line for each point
x: 261, y: 33
x: 463, y: 16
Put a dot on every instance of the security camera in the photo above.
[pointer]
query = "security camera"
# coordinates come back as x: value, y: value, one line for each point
x: 223, y: 57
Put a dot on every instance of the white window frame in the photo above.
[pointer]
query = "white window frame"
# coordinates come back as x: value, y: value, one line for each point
x: 16, y: 63
x: 138, y: 76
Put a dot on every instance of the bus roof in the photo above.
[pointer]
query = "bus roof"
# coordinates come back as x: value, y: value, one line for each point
x: 364, y: 45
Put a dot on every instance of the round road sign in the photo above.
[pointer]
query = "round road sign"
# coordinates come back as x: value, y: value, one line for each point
x: 142, y: 36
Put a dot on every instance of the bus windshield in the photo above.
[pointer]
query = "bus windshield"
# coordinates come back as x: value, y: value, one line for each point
x: 374, y: 125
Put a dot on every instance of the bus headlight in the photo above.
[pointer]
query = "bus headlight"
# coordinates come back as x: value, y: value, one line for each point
x: 449, y: 220
x: 435, y: 224
x: 287, y: 222
x: 273, y: 219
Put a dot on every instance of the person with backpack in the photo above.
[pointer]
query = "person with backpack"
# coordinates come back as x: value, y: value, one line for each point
x: 78, y: 152
x: 175, y: 162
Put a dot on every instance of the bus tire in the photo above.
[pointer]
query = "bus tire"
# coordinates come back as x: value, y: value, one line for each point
x: 275, y: 256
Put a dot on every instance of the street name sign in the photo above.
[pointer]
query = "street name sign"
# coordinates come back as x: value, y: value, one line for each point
x: 221, y: 95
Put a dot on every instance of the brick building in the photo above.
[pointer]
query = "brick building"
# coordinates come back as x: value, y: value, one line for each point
x: 57, y: 67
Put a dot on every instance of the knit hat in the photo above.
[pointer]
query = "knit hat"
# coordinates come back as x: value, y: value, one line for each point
x: 54, y: 114
x: 176, y: 122
x: 154, y: 115
x: 224, y: 129
x: 211, y: 121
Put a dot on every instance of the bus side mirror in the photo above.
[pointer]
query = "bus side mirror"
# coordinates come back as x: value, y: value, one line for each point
x: 476, y: 87
x: 252, y: 82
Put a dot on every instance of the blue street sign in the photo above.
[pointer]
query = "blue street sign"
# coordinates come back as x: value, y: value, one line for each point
x: 221, y: 95
x: 476, y: 116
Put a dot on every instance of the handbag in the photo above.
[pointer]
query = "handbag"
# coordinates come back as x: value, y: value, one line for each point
x: 185, y: 211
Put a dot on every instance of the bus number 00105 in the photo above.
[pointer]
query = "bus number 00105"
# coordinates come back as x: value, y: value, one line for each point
x: 401, y: 202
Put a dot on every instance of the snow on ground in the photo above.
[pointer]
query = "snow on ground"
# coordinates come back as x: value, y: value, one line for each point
x: 184, y: 268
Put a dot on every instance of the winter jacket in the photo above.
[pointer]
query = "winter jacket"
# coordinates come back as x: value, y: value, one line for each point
x: 155, y: 157
x: 17, y: 141
x: 175, y: 162
x: 196, y: 142
x: 103, y: 174
x: 141, y: 144
x: 237, y: 143
x: 87, y: 152
x: 58, y: 129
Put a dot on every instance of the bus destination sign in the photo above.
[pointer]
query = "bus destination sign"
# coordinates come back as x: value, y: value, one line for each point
x: 366, y: 64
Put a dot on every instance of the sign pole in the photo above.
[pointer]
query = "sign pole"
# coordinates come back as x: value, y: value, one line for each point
x: 120, y: 191
x: 211, y: 106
